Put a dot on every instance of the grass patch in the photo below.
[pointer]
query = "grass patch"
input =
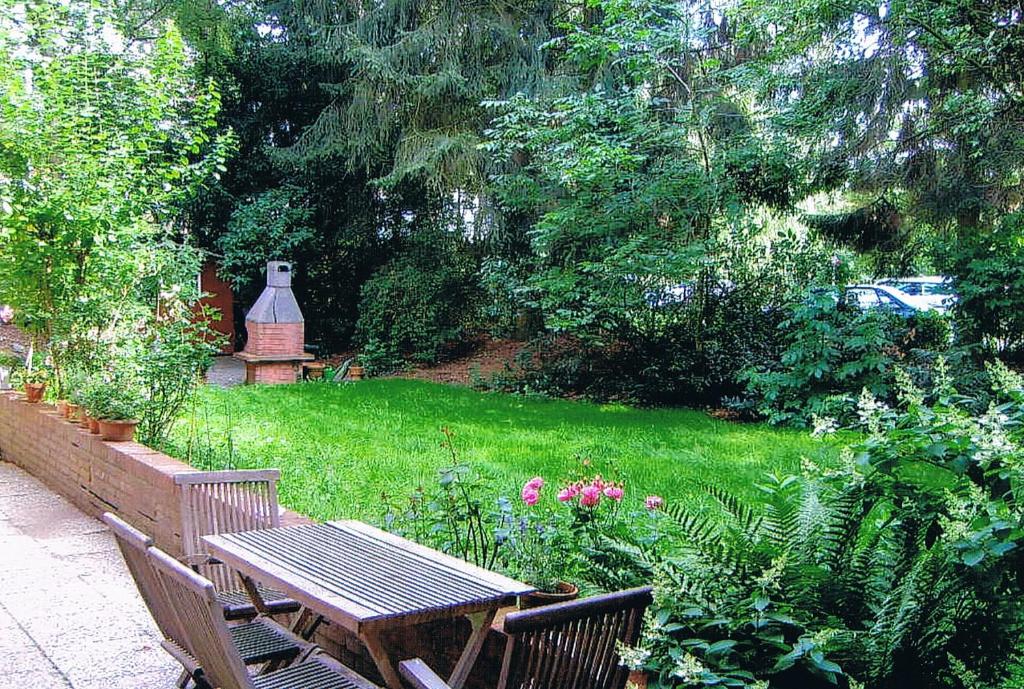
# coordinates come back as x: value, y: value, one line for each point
x: 340, y: 447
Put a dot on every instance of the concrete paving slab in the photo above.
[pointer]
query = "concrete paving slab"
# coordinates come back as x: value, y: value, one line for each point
x: 70, y: 616
x: 226, y: 372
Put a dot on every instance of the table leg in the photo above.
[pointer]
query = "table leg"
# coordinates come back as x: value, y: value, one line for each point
x: 481, y: 627
x: 307, y: 623
x: 381, y: 658
x: 254, y: 594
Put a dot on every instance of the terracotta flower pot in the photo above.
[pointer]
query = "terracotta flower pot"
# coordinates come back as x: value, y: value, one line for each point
x: 83, y: 418
x: 34, y: 392
x: 536, y: 599
x: 72, y: 414
x: 116, y: 430
x: 62, y: 408
x: 356, y: 372
x: 638, y: 679
x: 94, y: 426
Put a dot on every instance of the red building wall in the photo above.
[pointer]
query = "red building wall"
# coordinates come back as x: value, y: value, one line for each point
x: 222, y: 298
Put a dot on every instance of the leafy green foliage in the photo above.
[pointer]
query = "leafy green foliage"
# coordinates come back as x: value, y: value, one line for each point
x: 99, y: 137
x: 989, y: 267
x: 453, y: 515
x: 406, y: 80
x: 922, y: 97
x: 899, y: 569
x: 832, y: 351
x: 420, y: 307
x: 273, y: 226
x: 120, y: 399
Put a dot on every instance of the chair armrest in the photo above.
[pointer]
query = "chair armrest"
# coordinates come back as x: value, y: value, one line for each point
x: 420, y: 676
x: 561, y: 613
x: 198, y: 560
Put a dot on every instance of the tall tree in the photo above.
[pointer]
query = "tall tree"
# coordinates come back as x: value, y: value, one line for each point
x: 919, y: 101
x: 101, y: 135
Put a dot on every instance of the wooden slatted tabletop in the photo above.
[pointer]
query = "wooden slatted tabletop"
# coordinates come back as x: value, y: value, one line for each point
x: 368, y: 580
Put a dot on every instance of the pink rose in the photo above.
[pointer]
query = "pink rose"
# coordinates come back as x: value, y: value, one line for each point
x: 590, y: 496
x: 566, y: 494
x: 536, y: 483
x: 530, y: 496
x: 614, y: 492
x: 654, y: 502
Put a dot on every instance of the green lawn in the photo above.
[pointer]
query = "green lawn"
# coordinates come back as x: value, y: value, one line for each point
x: 340, y: 447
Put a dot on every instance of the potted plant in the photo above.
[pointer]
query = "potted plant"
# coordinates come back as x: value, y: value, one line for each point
x: 78, y: 383
x: 33, y: 382
x: 90, y: 395
x: 117, y: 408
x: 537, y: 552
x: 68, y: 402
x: 356, y: 371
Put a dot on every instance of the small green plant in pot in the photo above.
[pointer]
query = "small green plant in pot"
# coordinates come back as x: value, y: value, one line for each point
x: 117, y: 407
x: 33, y: 382
x: 90, y: 394
x: 70, y: 396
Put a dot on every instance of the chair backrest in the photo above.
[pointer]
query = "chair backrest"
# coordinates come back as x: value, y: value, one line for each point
x: 215, y: 502
x: 134, y: 546
x: 201, y: 616
x: 573, y: 645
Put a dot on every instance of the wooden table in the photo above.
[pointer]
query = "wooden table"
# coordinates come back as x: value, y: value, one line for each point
x: 369, y: 581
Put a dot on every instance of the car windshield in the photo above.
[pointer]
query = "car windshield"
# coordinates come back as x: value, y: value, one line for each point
x: 906, y: 287
x: 918, y: 287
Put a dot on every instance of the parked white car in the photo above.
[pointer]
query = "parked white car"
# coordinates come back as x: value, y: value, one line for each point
x: 935, y: 290
x: 884, y: 297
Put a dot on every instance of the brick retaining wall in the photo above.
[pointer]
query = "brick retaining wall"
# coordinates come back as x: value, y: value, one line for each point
x: 129, y: 479
x: 137, y: 483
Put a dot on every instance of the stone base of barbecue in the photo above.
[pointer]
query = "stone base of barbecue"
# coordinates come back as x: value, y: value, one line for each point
x: 272, y: 370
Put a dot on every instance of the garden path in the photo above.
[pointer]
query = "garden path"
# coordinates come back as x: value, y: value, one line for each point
x: 70, y: 615
x: 226, y: 372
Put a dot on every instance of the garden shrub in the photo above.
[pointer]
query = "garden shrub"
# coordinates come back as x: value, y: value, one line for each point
x: 171, y: 363
x: 901, y: 568
x: 421, y: 306
x: 694, y: 356
x: 990, y: 286
x: 830, y: 352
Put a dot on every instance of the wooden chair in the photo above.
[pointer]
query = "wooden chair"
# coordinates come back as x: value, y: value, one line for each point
x: 214, y: 502
x: 564, y: 646
x: 201, y: 614
x: 258, y: 642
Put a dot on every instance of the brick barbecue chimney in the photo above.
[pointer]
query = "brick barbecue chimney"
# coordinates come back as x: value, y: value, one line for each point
x: 275, y: 349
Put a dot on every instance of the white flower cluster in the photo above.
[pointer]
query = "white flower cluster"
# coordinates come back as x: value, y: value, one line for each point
x: 1004, y: 380
x: 770, y: 579
x: 962, y: 508
x: 632, y: 657
x: 822, y: 637
x: 992, y: 442
x: 688, y: 668
x: 871, y: 411
x: 823, y: 425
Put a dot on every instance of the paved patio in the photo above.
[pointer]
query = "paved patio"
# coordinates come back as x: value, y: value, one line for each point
x: 226, y: 372
x: 70, y: 615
